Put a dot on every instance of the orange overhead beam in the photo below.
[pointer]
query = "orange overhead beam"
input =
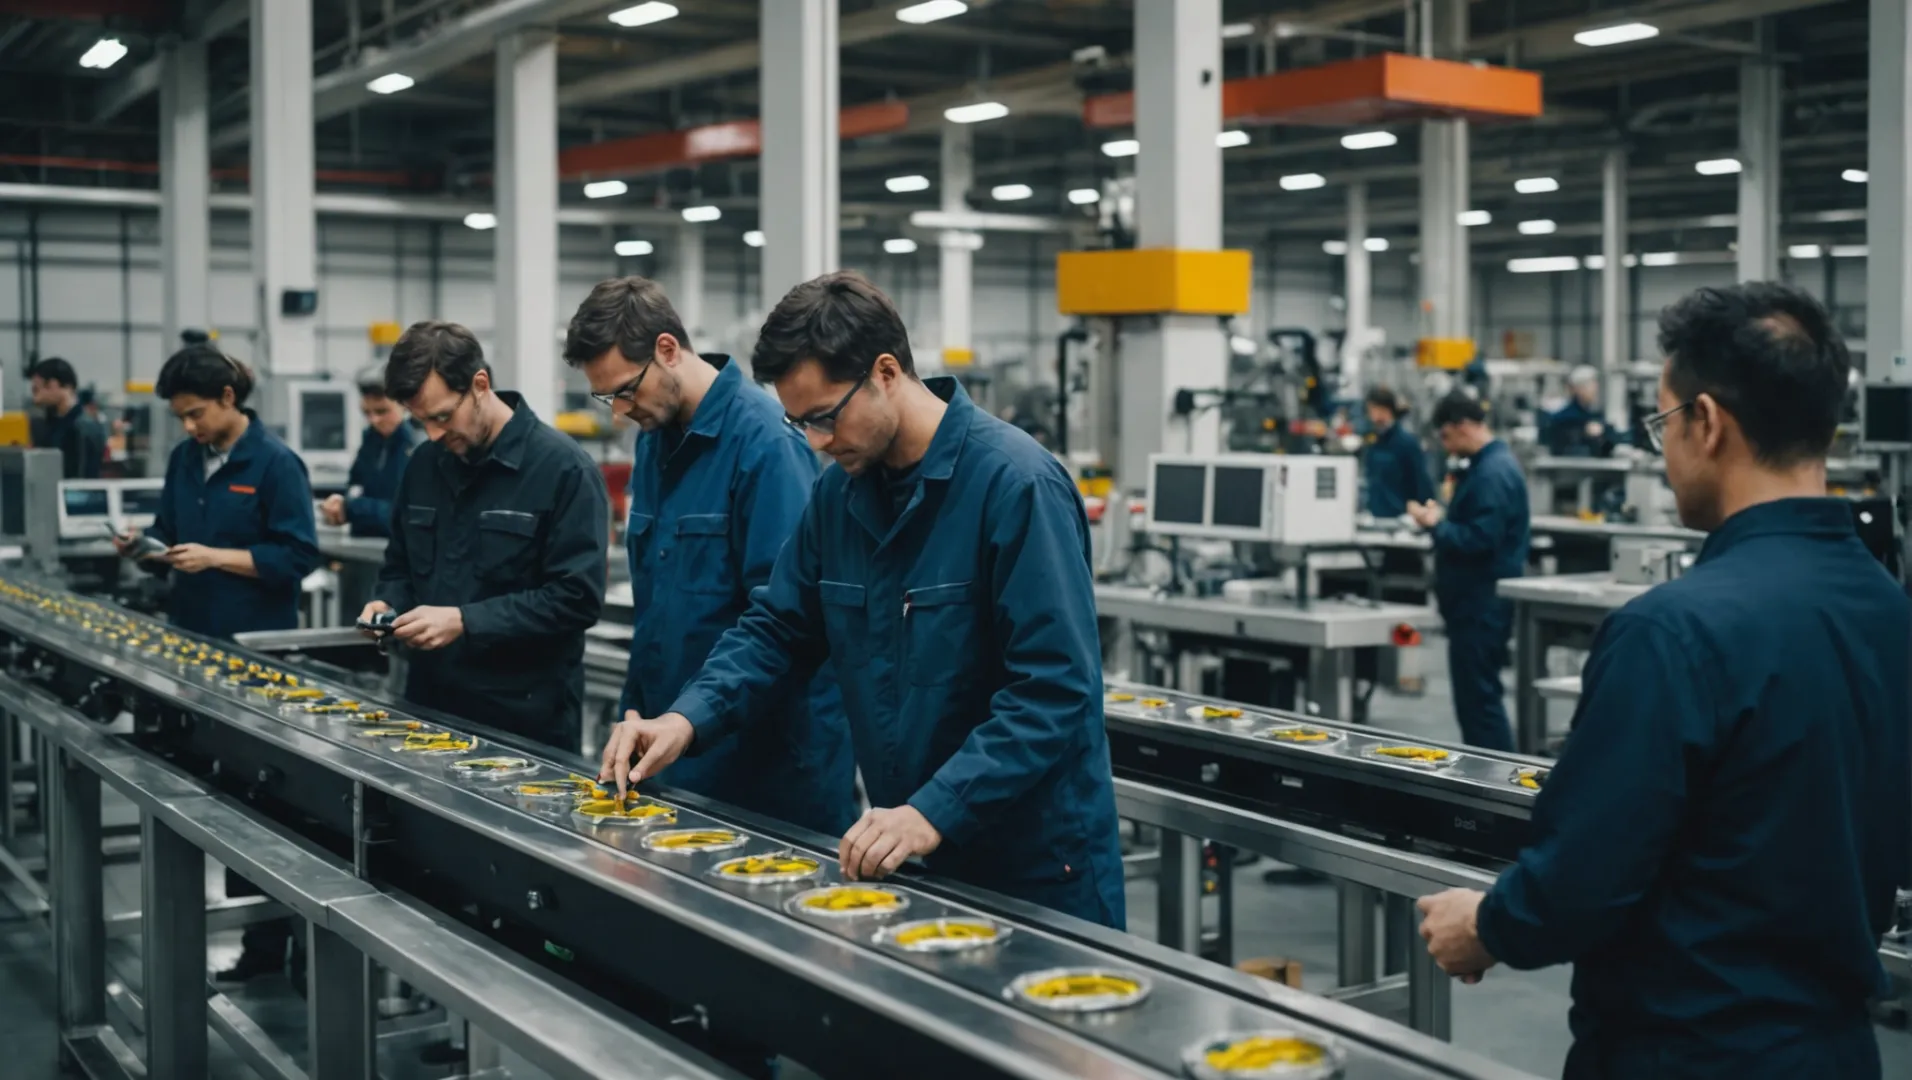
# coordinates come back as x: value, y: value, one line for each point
x: 712, y: 142
x: 1373, y: 89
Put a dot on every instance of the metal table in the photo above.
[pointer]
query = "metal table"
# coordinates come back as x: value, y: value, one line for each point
x: 1549, y: 611
x: 359, y: 559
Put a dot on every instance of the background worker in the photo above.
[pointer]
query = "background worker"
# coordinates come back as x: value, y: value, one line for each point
x: 944, y: 565
x: 1579, y: 428
x: 1479, y: 539
x: 496, y: 563
x: 1718, y: 848
x: 61, y: 423
x: 384, y: 450
x: 1394, y: 465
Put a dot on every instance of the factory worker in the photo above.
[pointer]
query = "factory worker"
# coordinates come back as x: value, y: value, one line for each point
x: 1479, y: 539
x: 1717, y: 850
x: 384, y: 450
x: 61, y: 423
x: 718, y: 483
x: 943, y: 565
x: 1579, y: 428
x: 1393, y: 465
x: 236, y: 512
x: 496, y: 563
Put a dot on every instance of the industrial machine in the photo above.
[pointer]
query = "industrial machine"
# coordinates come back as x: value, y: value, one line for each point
x: 1268, y: 498
x: 320, y: 425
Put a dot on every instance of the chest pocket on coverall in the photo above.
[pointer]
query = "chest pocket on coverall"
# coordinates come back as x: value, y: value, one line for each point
x: 703, y: 554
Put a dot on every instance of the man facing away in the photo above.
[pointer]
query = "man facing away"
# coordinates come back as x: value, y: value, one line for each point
x: 61, y: 423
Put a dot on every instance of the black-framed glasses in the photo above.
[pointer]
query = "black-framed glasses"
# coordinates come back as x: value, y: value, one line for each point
x: 1655, y: 426
x: 443, y: 418
x: 627, y: 392
x: 825, y: 423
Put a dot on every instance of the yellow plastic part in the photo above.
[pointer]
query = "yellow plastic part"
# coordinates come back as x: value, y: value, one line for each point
x: 1074, y: 986
x: 757, y: 865
x: 1448, y: 354
x: 1153, y: 281
x: 942, y: 930
x: 577, y: 423
x: 385, y: 333
x: 1263, y: 1052
x: 852, y: 898
x: 958, y: 357
x: 701, y: 838
x: 1412, y: 753
x: 139, y: 386
x: 14, y: 430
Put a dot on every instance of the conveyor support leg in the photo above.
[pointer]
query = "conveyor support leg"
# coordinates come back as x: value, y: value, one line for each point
x: 1430, y: 994
x: 77, y: 905
x: 339, y: 1007
x: 1179, y: 893
x: 173, y: 952
x: 1357, y: 903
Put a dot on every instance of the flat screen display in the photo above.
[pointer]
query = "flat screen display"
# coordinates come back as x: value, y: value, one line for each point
x: 1238, y: 496
x: 85, y: 502
x: 1887, y: 415
x: 140, y: 502
x: 322, y: 420
x: 1178, y: 494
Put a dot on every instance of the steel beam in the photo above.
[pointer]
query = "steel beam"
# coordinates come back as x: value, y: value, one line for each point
x: 799, y: 93
x: 1359, y: 290
x: 76, y: 894
x: 956, y: 249
x: 1759, y: 160
x: 1615, y: 353
x: 1178, y: 893
x: 173, y: 952
x: 284, y: 222
x: 1888, y: 185
x: 339, y: 1007
x: 687, y: 296
x: 525, y: 174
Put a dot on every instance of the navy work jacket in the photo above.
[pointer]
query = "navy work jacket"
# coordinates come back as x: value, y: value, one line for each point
x: 1716, y: 851
x: 1566, y: 435
x: 965, y: 642
x: 516, y: 541
x: 710, y: 509
x: 376, y: 470
x: 80, y: 440
x: 1483, y: 536
x: 1396, y: 472
x: 259, y: 500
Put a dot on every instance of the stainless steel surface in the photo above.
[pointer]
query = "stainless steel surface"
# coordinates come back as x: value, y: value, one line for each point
x: 220, y: 915
x: 1323, y: 624
x: 1354, y: 916
x: 1179, y: 893
x: 1597, y: 591
x: 251, y: 1043
x: 173, y: 953
x: 328, y: 637
x: 1545, y: 609
x: 101, y: 1054
x: 336, y: 542
x: 339, y: 1003
x: 1563, y: 525
x: 77, y: 895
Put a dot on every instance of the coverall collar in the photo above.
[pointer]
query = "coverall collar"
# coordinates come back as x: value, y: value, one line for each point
x: 939, y: 461
x: 1822, y: 517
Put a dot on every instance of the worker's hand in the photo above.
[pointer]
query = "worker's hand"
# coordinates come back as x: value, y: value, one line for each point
x: 1448, y: 926
x: 881, y: 840
x: 193, y: 558
x: 654, y: 743
x: 1595, y: 429
x: 1425, y: 514
x: 429, y: 627
x: 365, y: 614
x: 123, y: 542
x: 334, y: 509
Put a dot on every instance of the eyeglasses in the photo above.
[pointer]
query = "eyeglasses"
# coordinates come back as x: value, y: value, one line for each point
x: 825, y: 423
x: 443, y: 418
x: 1655, y: 426
x: 627, y: 392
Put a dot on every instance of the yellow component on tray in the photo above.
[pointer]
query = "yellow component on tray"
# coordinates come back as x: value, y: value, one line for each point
x: 385, y: 733
x: 694, y: 839
x: 755, y: 865
x: 852, y: 898
x: 434, y: 741
x: 545, y: 788
x: 1155, y: 702
x: 1211, y: 712
x: 1412, y: 753
x: 1530, y: 778
x: 946, y: 930
x: 1300, y: 734
x: 1265, y: 1051
x: 1121, y: 697
x: 492, y: 764
x: 1074, y: 986
x: 633, y: 807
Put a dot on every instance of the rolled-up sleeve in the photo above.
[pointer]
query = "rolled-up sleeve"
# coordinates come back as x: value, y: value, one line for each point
x: 290, y: 549
x: 569, y: 595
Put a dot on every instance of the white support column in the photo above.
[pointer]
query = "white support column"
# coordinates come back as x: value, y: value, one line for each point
x: 1759, y: 159
x: 1888, y: 186
x: 688, y: 294
x: 956, y: 281
x: 284, y: 225
x: 1360, y: 291
x: 185, y: 191
x: 525, y: 177
x: 799, y: 95
x: 1178, y: 198
x: 1446, y: 267
x: 1614, y: 315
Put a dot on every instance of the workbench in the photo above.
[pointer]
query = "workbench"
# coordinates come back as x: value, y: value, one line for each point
x: 1563, y: 610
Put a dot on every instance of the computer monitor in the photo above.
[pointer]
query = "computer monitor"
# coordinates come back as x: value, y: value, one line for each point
x: 1885, y: 417
x: 1271, y: 498
x: 138, y: 502
x: 85, y: 505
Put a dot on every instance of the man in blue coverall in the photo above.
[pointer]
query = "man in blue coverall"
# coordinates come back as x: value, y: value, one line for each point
x: 1394, y: 465
x: 384, y: 450
x: 1480, y: 539
x: 1717, y: 850
x: 718, y: 484
x: 1579, y: 429
x: 943, y: 563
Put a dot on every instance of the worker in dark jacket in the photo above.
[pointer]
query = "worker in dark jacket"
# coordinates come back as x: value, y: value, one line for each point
x: 62, y: 423
x: 1718, y: 848
x: 1479, y: 540
x: 718, y: 484
x: 944, y: 565
x: 1394, y: 465
x: 1579, y: 428
x: 384, y: 450
x: 496, y: 563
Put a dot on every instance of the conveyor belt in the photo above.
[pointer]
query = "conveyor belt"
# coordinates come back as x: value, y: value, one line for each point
x: 833, y: 990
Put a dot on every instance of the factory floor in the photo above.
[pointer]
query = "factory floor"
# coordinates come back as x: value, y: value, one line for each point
x: 1518, y: 1019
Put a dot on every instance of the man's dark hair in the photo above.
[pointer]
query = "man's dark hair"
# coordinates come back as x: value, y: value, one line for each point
x: 55, y: 370
x: 839, y: 320
x: 425, y: 347
x: 1458, y: 407
x: 204, y: 372
x: 1769, y: 355
x: 628, y: 312
x: 372, y: 386
x: 1382, y: 397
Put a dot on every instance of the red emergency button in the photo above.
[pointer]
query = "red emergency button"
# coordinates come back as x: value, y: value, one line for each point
x: 1405, y: 635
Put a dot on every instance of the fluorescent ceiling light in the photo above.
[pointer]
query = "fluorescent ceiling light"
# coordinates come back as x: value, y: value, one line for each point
x: 1368, y: 140
x: 391, y: 84
x: 1083, y: 196
x: 104, y: 54
x: 1616, y: 35
x: 481, y: 220
x: 1854, y: 176
x: 1122, y: 148
x: 976, y: 113
x: 1717, y: 166
x: 633, y: 248
x: 1804, y: 251
x: 1375, y: 243
x: 1307, y: 181
x: 1848, y: 251
x: 1471, y: 218
x: 1537, y: 227
x: 1228, y: 140
x: 604, y: 189
x: 1599, y: 262
x: 754, y: 238
x: 698, y: 214
x: 1547, y: 264
x: 1536, y: 185
x: 1011, y: 192
x: 1660, y: 258
x: 901, y: 245
x: 1237, y: 29
x: 901, y: 184
x: 931, y: 11
x: 655, y: 11
x: 1335, y: 247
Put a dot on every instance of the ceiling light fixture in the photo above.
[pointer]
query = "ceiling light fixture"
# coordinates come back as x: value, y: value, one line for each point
x: 976, y: 113
x: 481, y: 221
x: 931, y: 11
x: 1536, y: 185
x: 1546, y: 264
x: 1854, y: 176
x: 1368, y: 140
x: 754, y: 238
x: 1083, y: 196
x: 604, y: 189
x: 1011, y: 192
x: 655, y: 11
x: 1121, y: 148
x: 1804, y: 251
x: 1228, y: 140
x: 901, y: 245
x: 1717, y: 166
x: 104, y: 54
x: 1375, y: 243
x: 1537, y: 227
x: 1616, y: 35
x: 392, y: 83
x: 1848, y: 251
x: 1472, y: 218
x: 1335, y: 247
x: 632, y: 248
x: 701, y: 214
x: 1237, y: 29
x: 903, y: 184
x: 1307, y: 181
x: 1660, y: 258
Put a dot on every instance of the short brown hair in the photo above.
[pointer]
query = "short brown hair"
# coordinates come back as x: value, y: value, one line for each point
x: 841, y: 321
x: 425, y: 347
x: 628, y: 312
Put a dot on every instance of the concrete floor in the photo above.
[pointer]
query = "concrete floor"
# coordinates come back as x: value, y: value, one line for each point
x: 1517, y: 1018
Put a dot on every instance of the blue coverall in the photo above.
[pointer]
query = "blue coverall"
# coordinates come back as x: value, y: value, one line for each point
x: 1717, y: 850
x: 1566, y: 435
x: 964, y: 632
x: 710, y: 508
x: 1395, y: 467
x: 376, y: 470
x: 1482, y: 539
